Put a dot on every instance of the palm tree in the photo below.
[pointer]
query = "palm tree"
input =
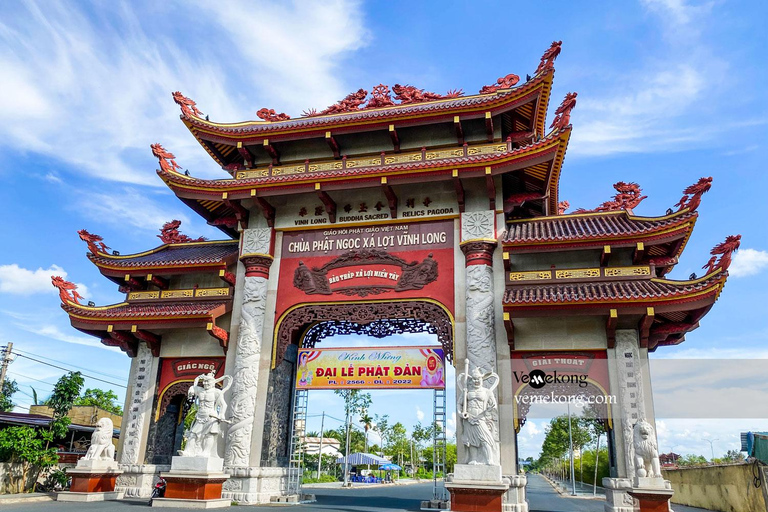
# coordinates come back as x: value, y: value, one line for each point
x: 367, y: 421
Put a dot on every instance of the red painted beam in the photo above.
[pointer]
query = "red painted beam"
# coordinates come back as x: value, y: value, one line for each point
x: 459, y: 187
x: 331, y: 140
x: 272, y: 152
x: 610, y: 327
x: 490, y: 187
x: 152, y: 340
x: 241, y: 213
x: 267, y: 210
x: 459, y: 129
x: 645, y: 326
x: 330, y: 204
x: 489, y: 126
x: 395, y: 139
x: 247, y: 156
x: 391, y: 197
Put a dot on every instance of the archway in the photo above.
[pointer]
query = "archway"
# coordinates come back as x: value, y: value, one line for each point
x: 306, y: 325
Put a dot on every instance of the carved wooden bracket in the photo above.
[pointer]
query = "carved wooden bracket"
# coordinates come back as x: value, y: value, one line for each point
x: 605, y: 256
x: 267, y: 210
x: 152, y: 340
x: 459, y: 129
x: 241, y: 214
x: 489, y: 126
x: 639, y: 254
x: 391, y: 197
x: 246, y: 154
x: 272, y: 152
x: 395, y: 139
x: 490, y: 187
x: 645, y: 326
x: 227, y: 277
x: 330, y: 204
x: 459, y: 187
x: 160, y: 282
x: 610, y: 327
x: 333, y: 144
x: 509, y: 326
x: 124, y: 340
x: 218, y: 333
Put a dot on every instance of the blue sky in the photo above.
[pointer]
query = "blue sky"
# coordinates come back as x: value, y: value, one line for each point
x: 669, y: 91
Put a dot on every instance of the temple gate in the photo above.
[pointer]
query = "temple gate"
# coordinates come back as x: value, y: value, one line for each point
x: 402, y: 211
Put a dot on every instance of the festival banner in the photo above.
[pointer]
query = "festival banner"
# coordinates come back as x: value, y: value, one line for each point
x: 371, y: 368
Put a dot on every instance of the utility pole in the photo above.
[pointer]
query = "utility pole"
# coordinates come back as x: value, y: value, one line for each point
x: 710, y: 441
x: 320, y: 453
x: 346, y: 458
x: 6, y: 361
x: 570, y: 440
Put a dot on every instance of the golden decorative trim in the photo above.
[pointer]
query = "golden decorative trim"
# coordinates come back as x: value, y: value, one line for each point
x: 530, y: 276
x: 176, y: 294
x: 627, y: 271
x: 144, y: 295
x: 577, y: 273
x: 212, y: 292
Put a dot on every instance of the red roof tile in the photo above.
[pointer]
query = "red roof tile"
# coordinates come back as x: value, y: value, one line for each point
x: 612, y: 291
x: 167, y: 310
x: 193, y: 253
x: 592, y: 226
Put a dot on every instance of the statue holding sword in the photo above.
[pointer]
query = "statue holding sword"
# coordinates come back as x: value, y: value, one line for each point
x: 211, y: 408
x: 478, y: 436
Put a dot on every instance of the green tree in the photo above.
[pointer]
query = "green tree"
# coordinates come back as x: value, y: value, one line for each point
x: 9, y: 388
x: 24, y: 446
x: 692, y: 460
x: 382, y: 427
x: 557, y: 441
x: 367, y: 422
x: 65, y: 393
x: 106, y: 400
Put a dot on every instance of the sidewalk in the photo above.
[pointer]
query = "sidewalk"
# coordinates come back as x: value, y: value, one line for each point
x: 27, y: 497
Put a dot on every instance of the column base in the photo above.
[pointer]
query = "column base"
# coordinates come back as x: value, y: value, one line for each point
x: 190, y: 485
x: 653, y: 499
x: 477, y: 488
x: 88, y: 496
x: 190, y: 503
x: 255, y: 485
x: 138, y: 480
x: 514, y: 500
x: 617, y: 498
x: 94, y: 479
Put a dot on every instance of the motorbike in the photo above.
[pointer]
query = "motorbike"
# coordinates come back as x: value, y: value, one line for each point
x: 158, y: 491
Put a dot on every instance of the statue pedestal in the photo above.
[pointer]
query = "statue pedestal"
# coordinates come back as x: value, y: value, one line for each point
x: 652, y: 494
x: 477, y: 488
x: 92, y: 480
x: 194, y: 482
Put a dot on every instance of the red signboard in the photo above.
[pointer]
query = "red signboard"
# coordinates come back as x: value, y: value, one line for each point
x: 174, y: 370
x: 398, y: 261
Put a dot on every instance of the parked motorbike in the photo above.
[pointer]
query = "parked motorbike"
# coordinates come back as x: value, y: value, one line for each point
x: 158, y: 491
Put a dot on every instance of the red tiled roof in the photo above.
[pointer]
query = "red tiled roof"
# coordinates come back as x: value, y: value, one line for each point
x: 591, y: 226
x: 185, y: 254
x: 518, y: 154
x: 378, y: 114
x: 636, y: 291
x: 166, y: 310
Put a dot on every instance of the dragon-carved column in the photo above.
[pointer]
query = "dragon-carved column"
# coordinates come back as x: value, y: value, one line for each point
x: 256, y: 256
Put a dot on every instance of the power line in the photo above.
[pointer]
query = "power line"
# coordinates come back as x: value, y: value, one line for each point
x: 70, y: 369
x: 31, y: 378
x: 19, y: 352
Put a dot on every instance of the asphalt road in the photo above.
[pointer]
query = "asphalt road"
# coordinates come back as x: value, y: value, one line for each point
x: 541, y: 496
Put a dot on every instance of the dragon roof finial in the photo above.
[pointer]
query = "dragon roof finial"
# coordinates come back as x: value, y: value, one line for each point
x: 188, y: 107
x: 563, y: 112
x: 548, y: 59
x: 95, y: 244
x: 725, y: 252
x: 692, y: 195
x: 269, y: 114
x: 67, y: 291
x: 167, y: 159
x: 170, y: 234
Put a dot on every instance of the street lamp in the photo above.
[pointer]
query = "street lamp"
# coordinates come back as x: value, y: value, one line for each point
x: 711, y: 446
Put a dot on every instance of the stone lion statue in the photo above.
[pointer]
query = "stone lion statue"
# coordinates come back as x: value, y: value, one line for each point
x: 101, y: 442
x: 646, y: 451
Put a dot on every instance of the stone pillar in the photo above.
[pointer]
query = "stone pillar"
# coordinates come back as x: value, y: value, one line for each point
x: 138, y: 478
x: 630, y: 490
x: 244, y: 485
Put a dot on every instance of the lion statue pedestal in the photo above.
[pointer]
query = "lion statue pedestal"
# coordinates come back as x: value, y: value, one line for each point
x: 94, y: 477
x: 649, y: 488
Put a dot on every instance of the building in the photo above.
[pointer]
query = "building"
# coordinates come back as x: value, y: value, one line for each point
x: 330, y: 446
x: 399, y: 211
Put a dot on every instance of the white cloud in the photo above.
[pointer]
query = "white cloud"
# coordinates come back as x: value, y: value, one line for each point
x: 92, y: 86
x: 53, y: 332
x: 296, y: 52
x: 661, y: 103
x: 419, y: 414
x: 21, y: 281
x: 748, y: 262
